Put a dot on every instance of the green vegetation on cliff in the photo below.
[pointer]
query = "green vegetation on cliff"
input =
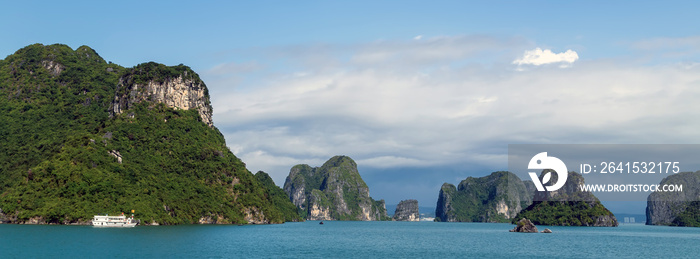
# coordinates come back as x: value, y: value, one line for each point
x: 493, y: 198
x: 278, y: 198
x: 563, y: 213
x: 568, y: 206
x: 690, y: 217
x: 63, y: 158
x: 334, y: 191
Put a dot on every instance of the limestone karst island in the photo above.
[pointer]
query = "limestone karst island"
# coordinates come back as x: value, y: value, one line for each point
x: 82, y: 136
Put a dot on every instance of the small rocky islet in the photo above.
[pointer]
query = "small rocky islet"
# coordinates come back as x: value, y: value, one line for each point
x: 407, y: 210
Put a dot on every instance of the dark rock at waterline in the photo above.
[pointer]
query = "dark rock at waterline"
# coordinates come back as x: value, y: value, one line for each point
x: 525, y: 226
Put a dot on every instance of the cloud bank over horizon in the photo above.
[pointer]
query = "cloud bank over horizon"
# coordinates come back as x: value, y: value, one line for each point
x: 440, y: 102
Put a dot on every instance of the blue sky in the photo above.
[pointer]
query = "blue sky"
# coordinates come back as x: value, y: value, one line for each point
x: 417, y: 92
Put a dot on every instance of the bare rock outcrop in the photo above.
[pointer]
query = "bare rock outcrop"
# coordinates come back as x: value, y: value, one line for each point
x: 53, y: 67
x: 178, y: 88
x: 407, y: 210
x: 525, y: 226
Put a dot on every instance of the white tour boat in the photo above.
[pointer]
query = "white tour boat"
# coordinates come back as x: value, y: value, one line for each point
x: 114, y: 221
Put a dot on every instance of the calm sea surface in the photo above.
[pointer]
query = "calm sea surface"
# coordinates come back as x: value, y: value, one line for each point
x: 337, y: 239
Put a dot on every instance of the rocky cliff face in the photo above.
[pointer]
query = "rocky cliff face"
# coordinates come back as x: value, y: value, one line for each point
x: 443, y: 210
x: 334, y: 191
x: 407, y: 210
x: 494, y: 198
x: 295, y: 185
x: 178, y: 88
x: 567, y: 206
x: 663, y: 208
x: 3, y: 218
x: 569, y: 192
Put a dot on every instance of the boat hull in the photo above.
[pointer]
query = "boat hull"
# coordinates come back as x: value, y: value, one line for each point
x: 113, y: 225
x: 107, y: 221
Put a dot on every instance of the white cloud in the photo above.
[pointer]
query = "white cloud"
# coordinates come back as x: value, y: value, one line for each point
x: 540, y: 57
x: 418, y: 37
x: 437, y: 111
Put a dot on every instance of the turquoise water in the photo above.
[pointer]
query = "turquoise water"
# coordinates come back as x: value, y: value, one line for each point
x: 337, y: 239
